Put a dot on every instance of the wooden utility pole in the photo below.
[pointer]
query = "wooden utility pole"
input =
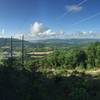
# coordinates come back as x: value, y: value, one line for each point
x: 11, y: 46
x: 22, y: 50
x: 11, y: 52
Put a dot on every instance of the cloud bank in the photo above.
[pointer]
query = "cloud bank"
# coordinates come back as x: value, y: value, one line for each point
x: 39, y: 30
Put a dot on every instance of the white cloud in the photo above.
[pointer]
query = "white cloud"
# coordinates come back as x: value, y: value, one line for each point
x: 39, y: 30
x: 73, y: 8
x: 17, y: 35
x: 88, y: 34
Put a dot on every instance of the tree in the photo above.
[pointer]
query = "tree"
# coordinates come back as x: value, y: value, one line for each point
x: 75, y: 58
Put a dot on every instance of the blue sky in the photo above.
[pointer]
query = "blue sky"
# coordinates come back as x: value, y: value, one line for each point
x: 17, y: 16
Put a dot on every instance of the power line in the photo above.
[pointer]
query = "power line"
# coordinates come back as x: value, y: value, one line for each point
x: 88, y: 18
x: 80, y: 4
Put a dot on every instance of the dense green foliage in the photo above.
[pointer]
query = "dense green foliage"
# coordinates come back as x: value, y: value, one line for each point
x: 18, y: 82
x: 86, y: 57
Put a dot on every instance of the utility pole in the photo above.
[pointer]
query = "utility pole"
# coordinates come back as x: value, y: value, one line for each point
x: 11, y: 51
x: 22, y: 45
x: 11, y: 46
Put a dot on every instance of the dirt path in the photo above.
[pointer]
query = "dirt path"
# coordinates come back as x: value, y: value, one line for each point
x: 93, y: 72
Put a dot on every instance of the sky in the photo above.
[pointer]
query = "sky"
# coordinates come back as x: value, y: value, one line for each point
x: 49, y: 18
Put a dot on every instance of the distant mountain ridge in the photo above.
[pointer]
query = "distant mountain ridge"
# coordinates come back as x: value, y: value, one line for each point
x: 17, y: 42
x: 69, y: 41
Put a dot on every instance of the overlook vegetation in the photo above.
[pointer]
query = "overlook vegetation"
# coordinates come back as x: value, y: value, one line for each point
x: 83, y: 57
x: 65, y: 74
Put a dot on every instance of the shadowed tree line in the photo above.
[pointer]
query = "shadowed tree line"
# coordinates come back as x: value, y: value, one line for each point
x: 16, y: 84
